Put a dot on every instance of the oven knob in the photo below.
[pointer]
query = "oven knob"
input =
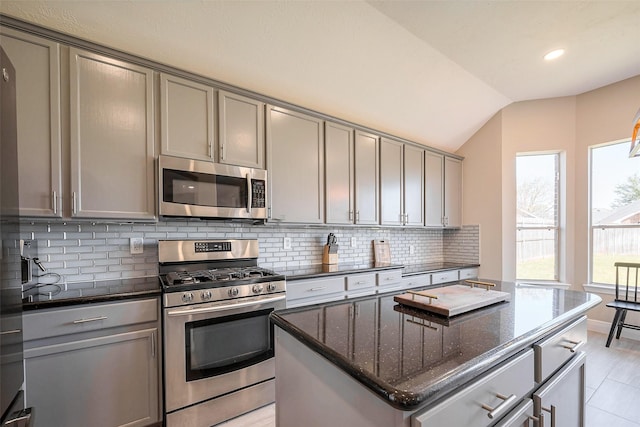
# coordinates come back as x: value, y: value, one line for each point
x: 206, y: 295
x: 257, y: 289
x: 272, y: 287
x: 233, y: 292
x: 187, y: 297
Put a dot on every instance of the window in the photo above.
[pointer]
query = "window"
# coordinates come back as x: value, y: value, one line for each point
x: 615, y: 209
x: 538, y: 195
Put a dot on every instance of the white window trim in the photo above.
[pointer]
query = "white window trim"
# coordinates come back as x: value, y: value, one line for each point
x: 600, y: 288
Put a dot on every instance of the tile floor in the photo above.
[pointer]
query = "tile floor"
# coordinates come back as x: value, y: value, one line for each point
x: 613, y: 387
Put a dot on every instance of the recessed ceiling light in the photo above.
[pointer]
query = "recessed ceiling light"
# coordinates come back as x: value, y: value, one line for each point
x: 554, y: 54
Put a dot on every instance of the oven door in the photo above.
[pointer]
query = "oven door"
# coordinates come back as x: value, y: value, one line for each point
x: 213, y: 349
x: 193, y: 188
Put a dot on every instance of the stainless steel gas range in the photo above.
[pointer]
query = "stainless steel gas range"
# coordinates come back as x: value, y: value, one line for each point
x: 218, y: 341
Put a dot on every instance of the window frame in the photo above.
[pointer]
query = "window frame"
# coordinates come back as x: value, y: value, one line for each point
x: 557, y: 227
x: 599, y: 286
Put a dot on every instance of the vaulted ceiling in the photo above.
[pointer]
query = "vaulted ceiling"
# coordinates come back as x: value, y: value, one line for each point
x: 430, y: 71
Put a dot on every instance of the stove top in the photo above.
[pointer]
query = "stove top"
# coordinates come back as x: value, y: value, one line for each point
x: 219, y: 276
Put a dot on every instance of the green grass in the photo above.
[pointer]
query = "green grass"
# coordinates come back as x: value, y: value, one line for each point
x: 603, y: 270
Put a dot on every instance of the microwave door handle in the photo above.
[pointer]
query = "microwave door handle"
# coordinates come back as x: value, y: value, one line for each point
x: 249, y: 195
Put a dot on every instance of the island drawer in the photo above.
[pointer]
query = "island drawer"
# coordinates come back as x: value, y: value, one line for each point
x: 360, y: 283
x: 88, y: 317
x: 552, y: 352
x: 389, y: 280
x: 512, y: 381
x: 444, y: 277
x: 312, y: 291
x: 416, y: 280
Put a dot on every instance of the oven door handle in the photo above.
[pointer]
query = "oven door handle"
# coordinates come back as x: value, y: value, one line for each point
x: 223, y: 307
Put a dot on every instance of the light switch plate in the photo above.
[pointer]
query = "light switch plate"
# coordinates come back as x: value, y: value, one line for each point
x: 353, y: 242
x: 136, y: 245
x: 287, y: 243
x: 412, y: 250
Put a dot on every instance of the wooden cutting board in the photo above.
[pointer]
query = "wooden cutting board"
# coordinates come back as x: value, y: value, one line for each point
x: 452, y: 300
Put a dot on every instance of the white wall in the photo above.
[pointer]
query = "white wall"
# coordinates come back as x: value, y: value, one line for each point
x: 568, y: 124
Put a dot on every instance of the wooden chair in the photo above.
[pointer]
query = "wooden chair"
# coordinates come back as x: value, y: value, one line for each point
x: 627, y: 297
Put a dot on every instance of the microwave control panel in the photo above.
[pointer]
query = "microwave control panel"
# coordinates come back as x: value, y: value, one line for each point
x: 258, y: 192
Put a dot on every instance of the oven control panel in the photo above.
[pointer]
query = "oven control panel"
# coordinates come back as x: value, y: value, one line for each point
x: 212, y: 247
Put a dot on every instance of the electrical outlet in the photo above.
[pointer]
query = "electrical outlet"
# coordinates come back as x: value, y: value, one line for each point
x: 136, y: 245
x: 412, y: 249
x: 287, y: 243
x: 354, y: 241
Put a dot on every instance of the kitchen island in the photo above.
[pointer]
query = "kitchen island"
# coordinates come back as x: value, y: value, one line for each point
x: 372, y: 362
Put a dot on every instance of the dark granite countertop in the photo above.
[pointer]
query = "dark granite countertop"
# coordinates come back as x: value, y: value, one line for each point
x: 61, y: 295
x: 410, y: 358
x: 432, y: 267
x: 323, y: 270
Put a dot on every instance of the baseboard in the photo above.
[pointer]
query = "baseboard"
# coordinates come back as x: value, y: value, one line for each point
x: 604, y: 327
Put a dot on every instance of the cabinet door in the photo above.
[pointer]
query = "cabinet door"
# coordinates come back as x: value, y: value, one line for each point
x: 413, y: 185
x: 37, y: 64
x: 241, y: 122
x: 560, y: 402
x: 112, y: 142
x: 102, y: 382
x: 295, y: 165
x: 433, y: 189
x: 186, y: 114
x: 391, y: 202
x: 338, y: 146
x: 452, y: 192
x: 366, y: 178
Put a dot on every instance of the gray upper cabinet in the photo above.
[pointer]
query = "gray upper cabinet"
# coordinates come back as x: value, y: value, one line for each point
x: 434, y: 189
x: 391, y: 182
x: 443, y: 191
x: 295, y: 164
x: 37, y: 64
x: 413, y: 186
x: 339, y: 188
x: 187, y: 116
x: 241, y: 122
x: 452, y: 192
x: 366, y: 178
x: 112, y: 138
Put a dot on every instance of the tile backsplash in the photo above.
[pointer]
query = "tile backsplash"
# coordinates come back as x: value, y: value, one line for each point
x: 86, y: 251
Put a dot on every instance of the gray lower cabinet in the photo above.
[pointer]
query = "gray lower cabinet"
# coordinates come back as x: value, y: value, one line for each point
x: 112, y: 138
x: 339, y: 164
x: 367, y: 176
x: 560, y: 402
x: 295, y: 163
x: 241, y: 122
x: 37, y: 64
x: 94, y: 365
x: 187, y: 117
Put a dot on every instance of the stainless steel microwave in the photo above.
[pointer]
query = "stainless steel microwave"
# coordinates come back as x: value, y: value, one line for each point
x: 201, y: 189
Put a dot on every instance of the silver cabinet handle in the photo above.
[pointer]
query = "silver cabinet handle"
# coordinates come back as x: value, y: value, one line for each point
x: 12, y: 331
x: 91, y: 319
x: 316, y: 289
x: 506, y: 401
x: 222, y: 151
x: 74, y: 203
x: 54, y: 202
x: 575, y: 345
x: 552, y: 411
x: 211, y: 149
x: 357, y: 217
x: 351, y: 216
x: 153, y: 345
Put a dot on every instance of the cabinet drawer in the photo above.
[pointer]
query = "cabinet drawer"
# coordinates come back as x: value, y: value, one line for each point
x: 468, y: 273
x: 416, y: 281
x: 361, y: 284
x: 388, y: 280
x: 444, y: 277
x: 90, y: 317
x: 515, y: 378
x: 316, y: 290
x: 554, y: 351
